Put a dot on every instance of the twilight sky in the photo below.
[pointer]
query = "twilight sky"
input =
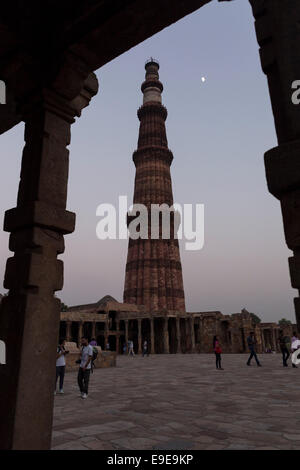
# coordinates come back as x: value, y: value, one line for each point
x: 218, y: 131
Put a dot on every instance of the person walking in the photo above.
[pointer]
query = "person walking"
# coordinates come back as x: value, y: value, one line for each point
x: 251, y: 341
x: 284, y: 343
x: 83, y: 377
x: 218, y: 352
x: 130, y: 348
x: 60, y: 365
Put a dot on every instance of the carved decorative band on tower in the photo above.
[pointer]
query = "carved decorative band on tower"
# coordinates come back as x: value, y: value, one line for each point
x: 153, y: 271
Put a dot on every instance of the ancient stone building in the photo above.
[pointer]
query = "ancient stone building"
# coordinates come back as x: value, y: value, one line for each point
x: 153, y: 270
x: 109, y: 321
x: 154, y: 305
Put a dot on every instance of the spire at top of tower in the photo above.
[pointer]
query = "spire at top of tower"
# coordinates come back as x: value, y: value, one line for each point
x: 151, y: 61
x: 152, y: 87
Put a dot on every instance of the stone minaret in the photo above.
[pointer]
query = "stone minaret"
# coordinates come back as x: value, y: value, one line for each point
x: 153, y: 270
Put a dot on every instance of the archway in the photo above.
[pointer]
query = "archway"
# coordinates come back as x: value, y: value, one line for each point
x: 35, y: 273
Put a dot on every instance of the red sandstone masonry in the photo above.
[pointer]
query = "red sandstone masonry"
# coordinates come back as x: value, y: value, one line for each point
x: 153, y: 271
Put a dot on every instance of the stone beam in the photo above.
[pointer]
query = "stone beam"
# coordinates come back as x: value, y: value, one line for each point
x: 94, y: 33
x: 134, y: 23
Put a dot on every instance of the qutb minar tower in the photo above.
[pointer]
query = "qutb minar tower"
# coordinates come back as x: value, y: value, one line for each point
x: 153, y: 270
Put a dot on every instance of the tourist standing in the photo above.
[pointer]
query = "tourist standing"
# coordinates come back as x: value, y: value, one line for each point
x: 60, y: 365
x: 284, y: 343
x: 218, y: 352
x: 145, y: 348
x: 251, y: 341
x: 86, y: 357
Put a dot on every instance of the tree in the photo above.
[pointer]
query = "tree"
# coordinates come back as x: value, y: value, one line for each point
x: 63, y: 307
x: 255, y: 318
x: 284, y: 322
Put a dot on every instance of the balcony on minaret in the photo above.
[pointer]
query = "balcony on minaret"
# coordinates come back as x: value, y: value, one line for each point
x: 152, y: 87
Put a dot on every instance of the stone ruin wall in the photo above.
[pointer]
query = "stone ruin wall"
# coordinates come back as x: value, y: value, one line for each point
x: 175, y: 333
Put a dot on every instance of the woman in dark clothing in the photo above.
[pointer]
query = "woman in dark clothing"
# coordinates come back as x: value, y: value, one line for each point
x: 218, y: 351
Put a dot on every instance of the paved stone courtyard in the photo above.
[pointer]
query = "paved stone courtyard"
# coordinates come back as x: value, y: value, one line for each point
x: 182, y: 402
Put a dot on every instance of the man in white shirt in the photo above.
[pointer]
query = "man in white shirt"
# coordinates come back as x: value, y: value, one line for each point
x: 86, y: 356
x: 130, y: 348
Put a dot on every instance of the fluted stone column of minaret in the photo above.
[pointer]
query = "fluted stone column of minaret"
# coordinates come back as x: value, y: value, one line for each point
x: 153, y: 270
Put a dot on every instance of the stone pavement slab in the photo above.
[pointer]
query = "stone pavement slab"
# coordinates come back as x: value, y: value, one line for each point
x: 182, y: 402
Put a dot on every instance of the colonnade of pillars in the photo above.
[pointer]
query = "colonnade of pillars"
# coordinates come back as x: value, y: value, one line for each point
x: 92, y: 332
x: 162, y: 337
x: 269, y: 339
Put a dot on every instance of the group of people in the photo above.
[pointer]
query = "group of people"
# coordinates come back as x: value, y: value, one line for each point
x: 87, y: 356
x: 85, y: 361
x: 129, y: 348
x: 287, y: 347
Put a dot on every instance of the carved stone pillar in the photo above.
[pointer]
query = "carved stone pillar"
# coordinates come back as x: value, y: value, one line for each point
x: 233, y: 340
x: 185, y: 339
x: 93, y: 329
x: 68, y: 330
x: 106, y: 329
x: 117, y: 336
x: 192, y: 331
x: 274, y: 339
x: 30, y: 314
x: 126, y: 334
x: 278, y: 34
x: 166, y: 336
x: 178, y: 334
x: 80, y: 332
x: 152, y: 336
x: 263, y: 340
x: 201, y: 327
x: 139, y: 336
